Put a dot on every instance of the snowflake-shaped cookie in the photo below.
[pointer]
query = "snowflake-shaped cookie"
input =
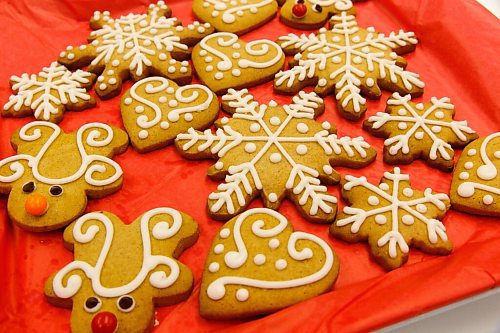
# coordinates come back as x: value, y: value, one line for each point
x: 275, y: 151
x: 138, y: 46
x: 417, y: 130
x: 349, y: 61
x: 392, y: 216
x: 48, y: 94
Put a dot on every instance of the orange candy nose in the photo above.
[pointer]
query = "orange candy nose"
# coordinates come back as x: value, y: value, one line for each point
x: 36, y: 205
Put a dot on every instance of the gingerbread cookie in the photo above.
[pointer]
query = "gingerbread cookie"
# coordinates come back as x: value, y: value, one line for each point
x: 391, y: 217
x: 155, y: 110
x: 313, y: 14
x: 276, y: 152
x: 258, y: 265
x: 235, y: 16
x: 121, y: 272
x: 418, y: 130
x: 47, y: 95
x: 476, y: 182
x: 223, y: 61
x: 348, y: 61
x: 53, y: 173
x: 136, y: 46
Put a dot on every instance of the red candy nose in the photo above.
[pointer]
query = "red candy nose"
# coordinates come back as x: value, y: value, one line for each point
x: 299, y: 10
x: 104, y: 322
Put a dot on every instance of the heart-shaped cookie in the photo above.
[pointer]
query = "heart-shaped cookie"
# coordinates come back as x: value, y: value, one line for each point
x: 155, y: 110
x: 258, y: 265
x: 476, y: 182
x: 223, y: 61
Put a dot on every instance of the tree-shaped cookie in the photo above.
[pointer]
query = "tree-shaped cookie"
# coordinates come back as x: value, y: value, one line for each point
x: 257, y: 265
x: 313, y: 14
x: 391, y: 217
x: 155, y: 110
x: 121, y: 272
x: 136, y: 46
x: 349, y: 62
x: 418, y: 130
x: 53, y: 173
x: 47, y: 95
x: 476, y: 181
x: 276, y: 152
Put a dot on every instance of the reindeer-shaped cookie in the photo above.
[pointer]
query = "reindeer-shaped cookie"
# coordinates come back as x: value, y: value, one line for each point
x: 53, y: 173
x: 121, y: 272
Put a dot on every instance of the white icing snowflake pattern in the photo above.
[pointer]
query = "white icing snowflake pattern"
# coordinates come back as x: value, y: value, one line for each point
x: 275, y: 150
x: 407, y: 122
x: 396, y: 211
x: 49, y: 92
x: 346, y: 59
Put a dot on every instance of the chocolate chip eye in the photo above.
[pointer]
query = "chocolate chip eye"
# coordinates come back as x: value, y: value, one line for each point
x: 56, y: 190
x: 317, y: 8
x: 125, y: 303
x: 92, y: 304
x: 29, y: 187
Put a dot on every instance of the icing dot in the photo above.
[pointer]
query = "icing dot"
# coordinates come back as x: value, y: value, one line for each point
x: 402, y: 126
x: 275, y: 157
x: 370, y: 82
x: 408, y: 192
x: 128, y: 101
x: 224, y: 120
x: 335, y: 39
x: 183, y: 70
x: 254, y: 127
x: 464, y: 175
x: 439, y: 114
x: 421, y: 208
x: 100, y: 79
x: 172, y: 103
x: 112, y: 81
x: 164, y: 125
x: 203, y: 53
x: 188, y: 117
x: 273, y: 103
x: 115, y: 63
x: 236, y: 72
x: 326, y: 49
x: 170, y: 90
x: 322, y: 82
x: 143, y: 24
x: 172, y: 62
x: 327, y: 169
x: 356, y: 39
x: 326, y: 125
x: 408, y: 219
x: 143, y: 134
x: 301, y: 149
x: 139, y: 109
x: 497, y: 154
x: 487, y: 199
x: 233, y: 3
x: 420, y: 106
x: 250, y: 147
x: 380, y: 219
x: 171, y: 69
x: 419, y: 135
x: 236, y: 46
x: 259, y: 259
x: 215, y: 13
x: 162, y: 99
x: 224, y: 233
x: 62, y: 54
x: 336, y: 60
x: 357, y: 60
x: 147, y: 42
x: 201, y: 30
x: 275, y: 121
x: 253, y: 10
x: 365, y: 49
x: 471, y: 152
x: 402, y: 112
x: 236, y: 55
x: 468, y: 165
x: 213, y: 267
x: 209, y: 59
x: 239, y: 13
x: 383, y: 186
x: 209, y: 68
x: 219, y: 75
x: 280, y: 264
x: 274, y: 243
x: 436, y: 129
x: 129, y: 45
x: 373, y: 200
x: 103, y: 86
x: 242, y: 295
x: 219, y: 248
x: 71, y: 56
x: 219, y: 165
x: 111, y: 72
x: 206, y: 4
x: 302, y: 128
x: 273, y: 197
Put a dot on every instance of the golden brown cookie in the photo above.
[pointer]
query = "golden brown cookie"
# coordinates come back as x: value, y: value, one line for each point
x: 391, y: 217
x: 121, y: 272
x: 136, y: 46
x: 53, y: 173
x: 418, y: 130
x: 235, y: 16
x: 274, y: 152
x: 156, y: 109
x: 258, y: 265
x: 223, y: 61
x: 476, y: 181
x: 349, y: 62
x: 47, y: 95
x: 313, y: 14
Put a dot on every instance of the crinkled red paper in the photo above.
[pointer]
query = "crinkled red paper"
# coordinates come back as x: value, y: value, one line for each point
x: 458, y: 57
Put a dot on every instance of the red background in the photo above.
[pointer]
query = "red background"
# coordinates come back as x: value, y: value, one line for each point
x: 457, y: 57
